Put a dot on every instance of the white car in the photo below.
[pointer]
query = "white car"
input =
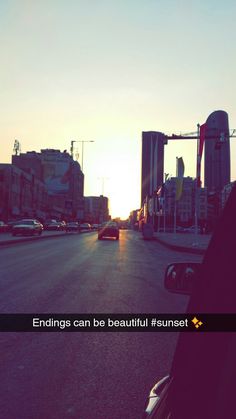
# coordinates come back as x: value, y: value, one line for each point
x: 27, y: 227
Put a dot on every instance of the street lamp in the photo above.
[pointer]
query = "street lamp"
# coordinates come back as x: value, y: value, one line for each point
x: 79, y: 141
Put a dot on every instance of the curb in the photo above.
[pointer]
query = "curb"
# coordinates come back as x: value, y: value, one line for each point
x: 31, y: 239
x: 181, y: 248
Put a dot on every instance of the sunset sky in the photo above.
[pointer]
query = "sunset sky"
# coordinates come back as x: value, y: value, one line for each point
x: 106, y: 70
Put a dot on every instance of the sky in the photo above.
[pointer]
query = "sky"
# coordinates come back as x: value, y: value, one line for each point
x: 106, y: 70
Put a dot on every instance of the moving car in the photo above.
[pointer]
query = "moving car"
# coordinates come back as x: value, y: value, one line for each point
x: 201, y: 382
x: 108, y: 229
x: 28, y: 227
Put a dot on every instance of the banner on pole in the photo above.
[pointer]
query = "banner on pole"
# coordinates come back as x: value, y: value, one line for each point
x: 179, y: 178
x: 200, y: 145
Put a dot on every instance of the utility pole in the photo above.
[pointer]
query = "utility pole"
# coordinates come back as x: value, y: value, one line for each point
x: 164, y: 215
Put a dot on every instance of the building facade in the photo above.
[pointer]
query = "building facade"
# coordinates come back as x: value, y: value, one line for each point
x: 21, y: 194
x: 225, y: 193
x: 62, y: 177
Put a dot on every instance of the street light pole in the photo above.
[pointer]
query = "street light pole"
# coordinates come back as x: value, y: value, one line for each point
x: 72, y: 149
x: 103, y: 180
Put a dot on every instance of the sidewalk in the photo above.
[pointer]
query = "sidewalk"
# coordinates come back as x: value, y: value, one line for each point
x: 7, y: 238
x: 188, y: 243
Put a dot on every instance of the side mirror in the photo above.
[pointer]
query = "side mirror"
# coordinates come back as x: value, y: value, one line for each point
x: 180, y: 277
x: 155, y: 396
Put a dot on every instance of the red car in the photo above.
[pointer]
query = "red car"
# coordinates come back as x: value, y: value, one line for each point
x: 108, y: 229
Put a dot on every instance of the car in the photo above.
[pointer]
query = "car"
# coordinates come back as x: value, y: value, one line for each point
x: 11, y: 223
x: 85, y: 226
x: 108, y: 229
x: 201, y: 381
x: 62, y: 225
x: 72, y: 226
x: 53, y: 226
x: 3, y: 227
x: 29, y: 227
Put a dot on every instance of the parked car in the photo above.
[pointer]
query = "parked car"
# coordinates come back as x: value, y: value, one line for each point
x: 201, y: 382
x: 85, y: 226
x: 27, y: 227
x: 72, y: 226
x: 53, y: 226
x: 11, y: 223
x: 48, y: 222
x: 3, y: 227
x: 108, y: 229
x: 62, y: 225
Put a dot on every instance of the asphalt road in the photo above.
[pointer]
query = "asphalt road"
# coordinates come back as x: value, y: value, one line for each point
x: 84, y: 375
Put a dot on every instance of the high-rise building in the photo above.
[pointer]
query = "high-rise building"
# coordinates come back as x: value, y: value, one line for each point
x: 217, y: 152
x: 152, y: 162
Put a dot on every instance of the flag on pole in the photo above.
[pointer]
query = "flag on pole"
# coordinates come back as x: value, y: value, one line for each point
x: 179, y: 178
x: 161, y: 196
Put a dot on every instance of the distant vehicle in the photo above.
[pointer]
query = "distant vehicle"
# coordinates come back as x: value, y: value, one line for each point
x: 95, y: 226
x: 53, y: 226
x: 72, y: 226
x: 11, y: 223
x: 3, y: 227
x: 62, y: 225
x: 28, y: 227
x: 48, y: 222
x: 85, y: 226
x: 123, y: 226
x: 108, y: 229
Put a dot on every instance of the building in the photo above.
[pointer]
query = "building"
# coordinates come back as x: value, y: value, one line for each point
x: 226, y: 192
x: 134, y: 218
x: 96, y: 209
x: 21, y: 194
x: 63, y: 179
x: 152, y: 163
x: 217, y: 152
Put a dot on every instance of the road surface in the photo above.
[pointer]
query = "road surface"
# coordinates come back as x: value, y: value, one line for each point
x: 84, y: 375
